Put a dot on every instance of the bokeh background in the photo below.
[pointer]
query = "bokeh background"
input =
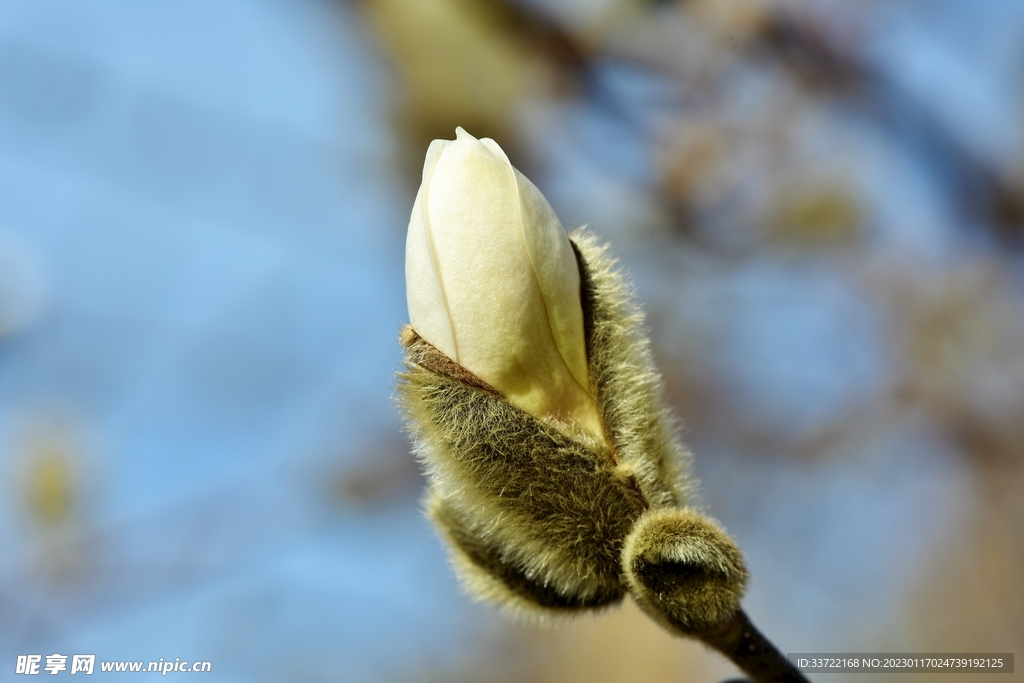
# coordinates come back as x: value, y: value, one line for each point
x: 202, y: 219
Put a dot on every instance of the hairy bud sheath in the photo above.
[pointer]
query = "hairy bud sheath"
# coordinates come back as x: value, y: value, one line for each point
x: 542, y: 519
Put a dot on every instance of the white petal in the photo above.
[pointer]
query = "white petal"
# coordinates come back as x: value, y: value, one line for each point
x: 493, y: 281
x: 428, y: 306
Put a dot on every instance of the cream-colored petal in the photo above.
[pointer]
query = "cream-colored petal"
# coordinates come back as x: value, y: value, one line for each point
x: 555, y: 265
x: 506, y: 278
x: 434, y: 152
x: 428, y: 306
x: 558, y: 276
x: 480, y: 263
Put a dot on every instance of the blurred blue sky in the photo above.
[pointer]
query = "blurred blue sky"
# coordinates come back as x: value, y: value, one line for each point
x: 201, y: 284
x: 215, y: 240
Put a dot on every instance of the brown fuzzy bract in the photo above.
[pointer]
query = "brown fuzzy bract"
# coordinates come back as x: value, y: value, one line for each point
x: 542, y: 523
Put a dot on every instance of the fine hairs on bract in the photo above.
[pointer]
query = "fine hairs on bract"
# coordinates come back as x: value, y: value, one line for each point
x: 545, y: 522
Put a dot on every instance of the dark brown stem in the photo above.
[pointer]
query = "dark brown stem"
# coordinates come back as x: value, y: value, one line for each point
x: 747, y: 648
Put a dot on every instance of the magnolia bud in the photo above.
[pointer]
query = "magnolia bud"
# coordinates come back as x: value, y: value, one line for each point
x: 492, y: 282
x: 521, y: 338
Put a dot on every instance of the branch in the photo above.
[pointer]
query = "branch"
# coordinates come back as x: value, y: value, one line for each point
x: 747, y: 648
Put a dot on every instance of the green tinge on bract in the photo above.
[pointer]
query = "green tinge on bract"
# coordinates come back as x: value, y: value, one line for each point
x: 543, y: 524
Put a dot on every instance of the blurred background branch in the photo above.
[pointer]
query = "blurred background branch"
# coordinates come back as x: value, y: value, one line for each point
x: 202, y: 216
